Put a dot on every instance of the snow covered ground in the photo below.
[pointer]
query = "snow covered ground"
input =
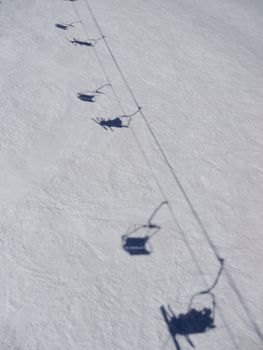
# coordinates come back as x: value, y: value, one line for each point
x: 69, y: 189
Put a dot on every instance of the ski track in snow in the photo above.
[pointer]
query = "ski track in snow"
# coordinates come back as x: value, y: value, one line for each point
x: 69, y: 189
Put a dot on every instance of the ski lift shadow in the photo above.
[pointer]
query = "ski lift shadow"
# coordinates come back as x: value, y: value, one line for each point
x: 91, y: 96
x: 116, y: 122
x: 136, y: 245
x: 90, y: 42
x: 65, y: 26
x: 61, y: 26
x: 140, y: 243
x: 86, y: 98
x: 193, y: 321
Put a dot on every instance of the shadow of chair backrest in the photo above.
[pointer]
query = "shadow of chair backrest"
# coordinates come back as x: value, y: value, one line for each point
x: 193, y: 321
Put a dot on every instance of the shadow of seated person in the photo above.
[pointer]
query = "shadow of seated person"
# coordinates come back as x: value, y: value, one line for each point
x: 193, y: 321
x: 116, y: 122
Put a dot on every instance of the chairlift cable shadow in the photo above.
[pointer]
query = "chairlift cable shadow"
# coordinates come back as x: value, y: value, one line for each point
x: 103, y: 69
x: 240, y: 297
x: 198, y: 219
x: 100, y: 63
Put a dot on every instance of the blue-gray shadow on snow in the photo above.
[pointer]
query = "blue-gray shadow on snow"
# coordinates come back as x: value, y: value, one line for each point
x: 90, y: 42
x: 86, y: 98
x: 193, y: 321
x: 116, y: 122
x: 136, y: 242
x: 62, y: 26
x: 65, y: 26
x: 91, y: 96
x: 136, y: 245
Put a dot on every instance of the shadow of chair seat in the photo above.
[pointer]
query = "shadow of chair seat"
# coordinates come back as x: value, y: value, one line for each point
x: 136, y: 245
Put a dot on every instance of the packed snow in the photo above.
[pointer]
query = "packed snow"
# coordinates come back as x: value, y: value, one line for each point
x: 182, y: 177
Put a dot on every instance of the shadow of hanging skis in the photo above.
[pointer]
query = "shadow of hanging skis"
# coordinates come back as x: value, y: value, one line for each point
x: 90, y: 42
x: 194, y: 321
x: 110, y: 123
x: 139, y: 244
x: 116, y: 122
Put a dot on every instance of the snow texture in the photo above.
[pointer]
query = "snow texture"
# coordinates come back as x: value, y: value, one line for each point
x: 69, y: 189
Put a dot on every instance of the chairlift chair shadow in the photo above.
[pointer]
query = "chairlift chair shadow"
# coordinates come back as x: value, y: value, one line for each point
x: 87, y: 43
x: 140, y: 244
x: 116, y: 122
x: 91, y: 95
x: 193, y: 321
x: 65, y: 26
x: 136, y: 245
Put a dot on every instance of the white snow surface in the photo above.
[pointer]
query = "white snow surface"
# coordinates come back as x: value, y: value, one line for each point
x: 70, y: 189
